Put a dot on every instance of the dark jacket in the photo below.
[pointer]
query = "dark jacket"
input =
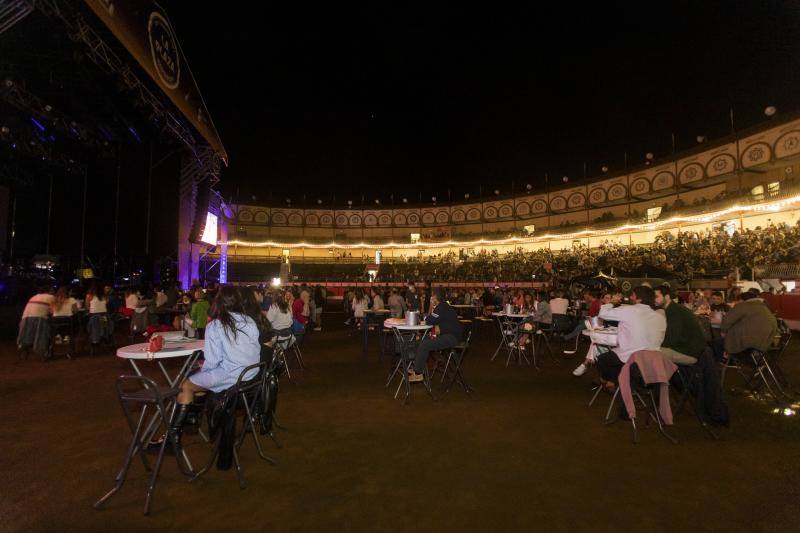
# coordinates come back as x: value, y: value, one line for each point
x: 749, y: 325
x: 684, y: 334
x: 446, y: 318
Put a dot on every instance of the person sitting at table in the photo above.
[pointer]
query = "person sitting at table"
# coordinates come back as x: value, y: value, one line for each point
x: 279, y: 316
x: 131, y: 302
x: 360, y: 304
x: 199, y: 313
x: 34, y: 327
x: 683, y: 342
x: 64, y: 307
x: 528, y: 304
x: 592, y: 309
x: 718, y: 304
x: 640, y: 328
x: 232, y: 343
x: 412, y: 298
x: 444, y: 318
x: 397, y: 305
x: 541, y: 315
x: 99, y: 326
x: 750, y: 325
x: 377, y: 301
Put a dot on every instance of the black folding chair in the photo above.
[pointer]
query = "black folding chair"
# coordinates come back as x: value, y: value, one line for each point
x: 455, y: 357
x: 148, y: 395
x: 647, y: 396
x: 248, y: 395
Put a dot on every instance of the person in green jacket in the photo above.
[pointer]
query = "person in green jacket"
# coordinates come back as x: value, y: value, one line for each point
x: 199, y: 313
x: 684, y: 341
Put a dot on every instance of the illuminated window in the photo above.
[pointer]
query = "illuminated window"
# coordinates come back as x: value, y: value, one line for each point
x: 286, y: 252
x: 729, y: 227
x: 757, y: 192
x: 415, y: 237
x: 653, y: 213
x: 774, y: 188
x: 529, y: 229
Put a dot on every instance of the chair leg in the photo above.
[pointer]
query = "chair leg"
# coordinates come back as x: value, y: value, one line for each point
x: 655, y: 414
x: 597, y: 391
x: 151, y: 486
x: 123, y: 473
x: 608, y: 419
x: 250, y: 428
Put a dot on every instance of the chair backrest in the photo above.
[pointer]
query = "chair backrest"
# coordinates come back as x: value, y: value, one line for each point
x: 124, y: 381
x: 244, y: 384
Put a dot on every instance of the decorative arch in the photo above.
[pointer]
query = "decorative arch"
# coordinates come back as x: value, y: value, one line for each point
x: 663, y: 180
x: 458, y: 216
x: 326, y: 219
x: 691, y: 173
x: 279, y: 218
x: 341, y: 220
x: 617, y: 192
x: 312, y: 219
x: 597, y: 196
x: 295, y: 219
x: 490, y: 212
x: 474, y: 214
x: 370, y: 220
x: 442, y: 217
x: 523, y: 209
x: 428, y: 217
x: 787, y: 144
x: 245, y: 215
x: 640, y: 186
x: 355, y: 220
x: 756, y: 154
x: 539, y: 206
x: 261, y: 217
x: 576, y: 199
x: 720, y: 164
x: 558, y: 203
x: 413, y: 219
x: 506, y: 211
x: 400, y: 219
x: 385, y: 220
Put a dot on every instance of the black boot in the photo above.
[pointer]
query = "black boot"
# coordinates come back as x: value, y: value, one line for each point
x: 176, y: 426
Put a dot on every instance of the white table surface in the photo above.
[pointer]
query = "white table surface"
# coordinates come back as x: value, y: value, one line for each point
x: 391, y: 323
x: 513, y: 315
x: 171, y: 349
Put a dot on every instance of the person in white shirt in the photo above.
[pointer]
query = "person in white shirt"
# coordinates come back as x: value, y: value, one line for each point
x: 132, y: 299
x: 377, y: 301
x: 64, y: 305
x: 559, y: 304
x: 279, y: 313
x: 40, y: 305
x: 640, y: 328
x: 360, y: 304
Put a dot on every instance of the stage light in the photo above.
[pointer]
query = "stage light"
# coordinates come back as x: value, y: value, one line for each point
x: 466, y: 196
x: 565, y: 179
x: 770, y: 110
x: 288, y: 200
x: 319, y: 202
x: 5, y: 130
x: 276, y: 282
x: 433, y: 199
x: 405, y: 200
x: 529, y: 186
x: 350, y: 203
x: 649, y: 156
x: 701, y: 139
x: 377, y: 202
x: 497, y: 192
x: 604, y: 169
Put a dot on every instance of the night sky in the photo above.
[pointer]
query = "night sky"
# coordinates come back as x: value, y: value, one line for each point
x: 410, y: 100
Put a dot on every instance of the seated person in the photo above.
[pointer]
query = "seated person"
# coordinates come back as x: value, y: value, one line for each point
x: 542, y: 315
x: 279, y: 316
x: 683, y: 342
x: 592, y: 302
x: 397, y: 305
x: 377, y: 301
x: 558, y: 307
x: 34, y: 330
x: 640, y: 328
x: 749, y: 325
x: 232, y: 343
x: 445, y: 319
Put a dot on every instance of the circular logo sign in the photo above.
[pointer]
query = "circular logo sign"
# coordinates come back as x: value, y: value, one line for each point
x: 164, y: 50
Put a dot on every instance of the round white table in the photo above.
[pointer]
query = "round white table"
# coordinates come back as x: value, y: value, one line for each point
x: 190, y: 348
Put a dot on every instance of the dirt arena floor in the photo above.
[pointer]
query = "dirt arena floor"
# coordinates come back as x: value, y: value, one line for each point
x: 524, y: 453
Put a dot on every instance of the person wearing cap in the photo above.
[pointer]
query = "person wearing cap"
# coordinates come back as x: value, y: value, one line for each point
x: 445, y: 319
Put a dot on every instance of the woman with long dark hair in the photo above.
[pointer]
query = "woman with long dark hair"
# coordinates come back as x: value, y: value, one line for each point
x: 279, y: 315
x: 231, y: 345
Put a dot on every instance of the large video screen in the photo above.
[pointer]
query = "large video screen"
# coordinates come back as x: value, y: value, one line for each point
x: 210, y: 230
